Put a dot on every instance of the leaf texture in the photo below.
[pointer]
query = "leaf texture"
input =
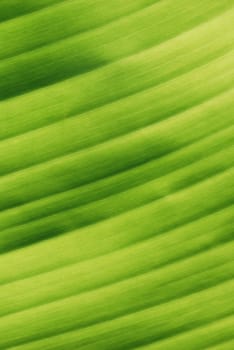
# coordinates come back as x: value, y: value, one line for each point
x: 116, y: 174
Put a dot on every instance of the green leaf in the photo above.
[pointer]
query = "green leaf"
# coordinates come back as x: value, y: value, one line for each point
x: 116, y: 174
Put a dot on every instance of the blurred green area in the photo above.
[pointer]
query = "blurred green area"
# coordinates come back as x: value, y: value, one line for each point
x: 116, y: 174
